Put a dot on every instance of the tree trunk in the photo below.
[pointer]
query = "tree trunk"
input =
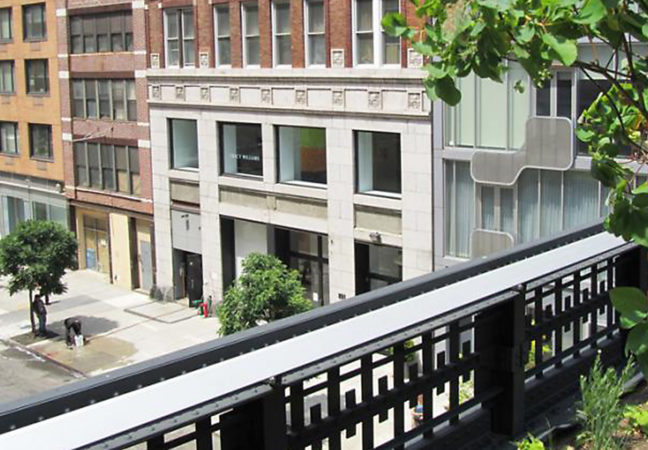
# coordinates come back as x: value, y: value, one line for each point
x: 31, y: 312
x: 47, y: 299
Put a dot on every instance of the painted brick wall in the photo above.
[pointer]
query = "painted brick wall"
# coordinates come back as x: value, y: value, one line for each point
x: 94, y: 64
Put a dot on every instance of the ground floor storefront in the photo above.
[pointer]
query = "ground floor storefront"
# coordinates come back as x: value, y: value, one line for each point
x: 26, y: 198
x: 116, y: 244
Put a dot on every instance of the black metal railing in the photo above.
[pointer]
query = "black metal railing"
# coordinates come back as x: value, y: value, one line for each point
x: 467, y: 379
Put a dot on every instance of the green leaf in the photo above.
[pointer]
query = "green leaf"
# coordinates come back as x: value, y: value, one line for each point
x: 630, y: 302
x: 640, y: 201
x: 642, y: 360
x: 566, y: 49
x: 641, y: 189
x: 637, y: 342
x: 435, y: 71
x: 446, y: 90
x: 591, y: 13
x: 524, y: 34
x: 644, y: 30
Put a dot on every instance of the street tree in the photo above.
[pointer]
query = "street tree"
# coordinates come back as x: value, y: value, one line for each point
x: 266, y: 290
x: 35, y: 257
x: 485, y: 37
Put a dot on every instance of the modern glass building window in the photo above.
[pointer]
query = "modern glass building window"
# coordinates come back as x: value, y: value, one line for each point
x: 302, y: 154
x: 6, y: 28
x: 34, y: 22
x: 179, y: 37
x: 459, y: 208
x: 491, y: 114
x: 250, y: 20
x: 40, y: 141
x: 371, y: 44
x: 241, y: 149
x: 45, y: 211
x: 9, y: 138
x: 14, y: 212
x: 315, y: 33
x: 37, y: 74
x: 378, y: 162
x: 7, y: 77
x: 281, y: 39
x: 183, y: 139
x: 104, y: 99
x: 223, y: 46
x: 107, y: 167
x: 111, y: 32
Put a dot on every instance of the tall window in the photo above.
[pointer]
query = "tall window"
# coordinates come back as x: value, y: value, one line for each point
x: 7, y: 77
x: 241, y: 149
x: 491, y: 114
x: 282, y: 48
x: 37, y: 76
x: 40, y: 141
x: 459, y: 208
x: 107, y: 167
x: 104, y: 99
x: 102, y: 33
x: 180, y: 50
x: 6, y: 29
x: 251, y: 52
x: 183, y: 139
x: 223, y: 47
x: 9, y: 138
x: 378, y: 162
x: 314, y: 29
x: 34, y: 22
x: 371, y: 44
x: 302, y: 154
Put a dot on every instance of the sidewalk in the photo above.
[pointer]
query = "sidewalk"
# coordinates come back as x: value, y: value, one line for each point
x: 121, y: 327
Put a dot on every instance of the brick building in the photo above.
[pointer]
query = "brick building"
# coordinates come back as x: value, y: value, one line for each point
x: 102, y: 68
x: 31, y: 156
x: 295, y: 128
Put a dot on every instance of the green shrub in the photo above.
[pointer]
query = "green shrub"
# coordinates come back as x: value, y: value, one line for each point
x: 530, y: 443
x: 266, y: 290
x: 637, y: 418
x: 600, y: 411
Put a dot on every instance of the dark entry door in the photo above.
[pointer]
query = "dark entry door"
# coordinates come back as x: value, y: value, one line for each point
x: 194, y: 278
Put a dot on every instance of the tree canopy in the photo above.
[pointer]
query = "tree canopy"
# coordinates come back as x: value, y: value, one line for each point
x: 266, y: 290
x: 36, y: 255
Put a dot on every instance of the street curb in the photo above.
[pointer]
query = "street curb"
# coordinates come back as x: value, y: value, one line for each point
x: 72, y: 371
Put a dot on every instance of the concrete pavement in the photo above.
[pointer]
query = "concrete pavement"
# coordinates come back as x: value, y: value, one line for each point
x: 121, y: 327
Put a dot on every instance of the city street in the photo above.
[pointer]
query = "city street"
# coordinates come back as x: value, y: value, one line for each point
x: 121, y: 327
x: 23, y: 373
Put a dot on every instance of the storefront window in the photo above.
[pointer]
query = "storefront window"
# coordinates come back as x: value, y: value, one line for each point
x: 308, y: 253
x: 302, y: 154
x: 241, y: 149
x: 377, y: 266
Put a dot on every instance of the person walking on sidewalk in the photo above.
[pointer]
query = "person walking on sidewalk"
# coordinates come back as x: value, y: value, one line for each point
x: 41, y: 313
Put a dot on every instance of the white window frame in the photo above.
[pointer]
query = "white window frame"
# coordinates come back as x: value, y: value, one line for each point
x: 244, y: 35
x: 218, y: 8
x: 275, y: 35
x: 182, y: 62
x: 308, y: 33
x: 378, y: 37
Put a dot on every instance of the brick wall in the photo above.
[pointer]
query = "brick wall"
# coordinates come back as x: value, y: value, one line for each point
x: 108, y: 65
x: 338, y: 22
